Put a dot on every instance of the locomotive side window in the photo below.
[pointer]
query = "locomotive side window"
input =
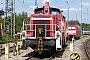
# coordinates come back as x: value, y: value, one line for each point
x: 71, y: 28
x: 55, y: 12
x: 39, y: 10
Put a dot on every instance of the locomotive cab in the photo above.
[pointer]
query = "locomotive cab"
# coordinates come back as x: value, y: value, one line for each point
x: 46, y: 30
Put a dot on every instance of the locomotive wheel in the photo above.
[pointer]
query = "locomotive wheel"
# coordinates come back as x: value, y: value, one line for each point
x: 63, y: 43
x: 53, y: 50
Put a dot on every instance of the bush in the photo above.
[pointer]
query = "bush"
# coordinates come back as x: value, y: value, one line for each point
x: 9, y: 38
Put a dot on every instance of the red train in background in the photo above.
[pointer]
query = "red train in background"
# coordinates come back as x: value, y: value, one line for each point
x: 74, y: 31
x: 46, y: 31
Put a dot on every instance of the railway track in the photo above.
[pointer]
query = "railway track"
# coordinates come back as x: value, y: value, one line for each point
x: 87, y: 47
x: 44, y: 56
x: 37, y: 58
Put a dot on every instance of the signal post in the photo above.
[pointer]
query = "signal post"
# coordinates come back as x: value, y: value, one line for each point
x: 71, y: 44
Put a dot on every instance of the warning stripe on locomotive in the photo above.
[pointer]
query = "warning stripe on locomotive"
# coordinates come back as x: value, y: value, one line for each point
x: 41, y: 18
x: 75, y: 56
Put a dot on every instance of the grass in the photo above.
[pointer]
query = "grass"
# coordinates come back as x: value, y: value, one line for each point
x: 8, y: 38
x: 84, y: 36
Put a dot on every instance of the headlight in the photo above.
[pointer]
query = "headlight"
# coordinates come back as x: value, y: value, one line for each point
x: 23, y: 34
x: 58, y: 35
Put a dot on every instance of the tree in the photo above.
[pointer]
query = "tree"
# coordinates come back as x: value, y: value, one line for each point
x: 73, y: 22
x: 19, y: 20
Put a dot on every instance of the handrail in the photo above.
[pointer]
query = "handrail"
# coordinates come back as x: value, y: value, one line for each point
x: 53, y: 27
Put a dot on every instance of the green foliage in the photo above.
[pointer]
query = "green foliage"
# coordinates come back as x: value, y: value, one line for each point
x: 87, y: 27
x: 73, y: 22
x: 18, y: 23
x: 7, y: 38
x: 19, y: 20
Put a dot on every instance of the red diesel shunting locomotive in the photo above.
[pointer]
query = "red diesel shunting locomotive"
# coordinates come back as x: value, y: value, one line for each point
x: 47, y: 30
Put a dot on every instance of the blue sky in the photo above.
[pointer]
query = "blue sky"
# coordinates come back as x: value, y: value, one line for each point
x: 74, y: 7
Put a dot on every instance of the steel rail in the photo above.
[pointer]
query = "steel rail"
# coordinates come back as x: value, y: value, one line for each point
x: 29, y: 58
x: 86, y: 50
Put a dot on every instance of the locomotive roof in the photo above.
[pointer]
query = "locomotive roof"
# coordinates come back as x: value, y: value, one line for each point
x: 50, y: 8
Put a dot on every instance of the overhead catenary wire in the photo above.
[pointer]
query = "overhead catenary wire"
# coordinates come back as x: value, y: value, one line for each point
x: 22, y: 3
x: 58, y: 4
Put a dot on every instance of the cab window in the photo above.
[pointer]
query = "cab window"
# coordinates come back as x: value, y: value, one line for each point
x: 54, y: 12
